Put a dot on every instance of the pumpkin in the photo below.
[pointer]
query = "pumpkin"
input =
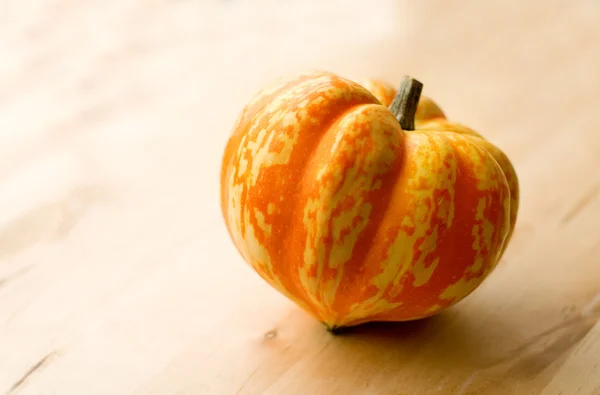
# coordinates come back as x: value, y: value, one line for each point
x: 360, y: 203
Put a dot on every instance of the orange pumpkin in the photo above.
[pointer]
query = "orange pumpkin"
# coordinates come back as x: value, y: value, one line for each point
x: 333, y: 198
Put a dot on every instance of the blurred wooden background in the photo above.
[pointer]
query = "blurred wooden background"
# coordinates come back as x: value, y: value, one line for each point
x: 116, y: 272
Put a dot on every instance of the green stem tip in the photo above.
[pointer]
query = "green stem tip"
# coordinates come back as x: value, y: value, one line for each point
x: 405, y: 103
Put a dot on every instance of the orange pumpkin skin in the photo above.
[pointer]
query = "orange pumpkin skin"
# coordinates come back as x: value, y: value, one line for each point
x: 355, y: 219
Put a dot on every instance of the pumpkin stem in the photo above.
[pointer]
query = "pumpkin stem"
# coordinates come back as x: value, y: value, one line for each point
x: 404, y: 106
x: 336, y: 330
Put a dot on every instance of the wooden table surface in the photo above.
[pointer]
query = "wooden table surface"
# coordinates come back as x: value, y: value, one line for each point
x: 117, y: 275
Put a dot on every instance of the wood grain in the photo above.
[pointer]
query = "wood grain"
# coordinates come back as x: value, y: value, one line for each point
x: 114, y: 259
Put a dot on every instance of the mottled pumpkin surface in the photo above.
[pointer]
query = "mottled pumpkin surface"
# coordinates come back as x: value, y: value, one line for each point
x: 355, y: 219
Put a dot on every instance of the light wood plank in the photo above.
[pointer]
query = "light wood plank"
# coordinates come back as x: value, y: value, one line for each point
x: 581, y: 372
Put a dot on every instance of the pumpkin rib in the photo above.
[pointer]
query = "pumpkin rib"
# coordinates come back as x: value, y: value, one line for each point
x: 241, y: 126
x: 262, y: 102
x: 442, y: 126
x: 327, y: 127
x: 467, y: 281
x: 312, y: 160
x: 511, y: 178
x: 406, y: 224
x: 323, y: 128
x: 325, y: 165
x: 304, y: 131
